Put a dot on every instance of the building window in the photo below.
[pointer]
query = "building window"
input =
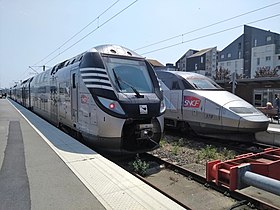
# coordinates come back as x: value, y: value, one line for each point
x: 239, y: 54
x: 222, y: 56
x: 267, y: 58
x: 229, y: 55
x: 195, y: 66
x: 258, y: 61
x: 268, y: 48
x: 278, y: 57
x: 255, y: 42
x: 268, y: 38
x: 239, y: 45
x: 201, y: 59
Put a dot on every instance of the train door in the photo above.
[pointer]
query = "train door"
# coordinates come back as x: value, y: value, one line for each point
x: 29, y: 95
x: 53, y: 100
x: 173, y: 101
x: 62, y: 102
x: 212, y: 113
x: 74, y: 96
x: 23, y: 97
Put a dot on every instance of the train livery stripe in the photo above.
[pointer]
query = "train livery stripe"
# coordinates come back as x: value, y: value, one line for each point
x: 99, y: 86
x: 96, y: 78
x: 93, y: 69
x: 94, y: 74
x: 97, y: 81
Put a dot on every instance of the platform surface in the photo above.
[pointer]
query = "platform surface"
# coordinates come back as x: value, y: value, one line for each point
x: 271, y: 136
x: 43, y: 168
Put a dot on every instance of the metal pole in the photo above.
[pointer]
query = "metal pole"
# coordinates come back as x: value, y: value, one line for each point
x: 262, y: 182
x: 233, y: 81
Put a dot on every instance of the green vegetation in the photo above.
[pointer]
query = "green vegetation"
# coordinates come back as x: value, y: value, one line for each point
x: 175, y: 149
x: 212, y: 153
x: 140, y: 167
x: 227, y: 154
x: 162, y: 142
x: 181, y: 142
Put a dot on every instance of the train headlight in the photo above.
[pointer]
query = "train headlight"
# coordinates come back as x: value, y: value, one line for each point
x: 162, y: 107
x: 111, y: 105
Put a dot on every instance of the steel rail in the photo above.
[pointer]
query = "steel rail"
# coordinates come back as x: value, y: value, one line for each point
x: 237, y: 195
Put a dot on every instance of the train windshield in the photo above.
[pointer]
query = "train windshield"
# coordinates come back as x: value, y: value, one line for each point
x: 129, y: 76
x: 203, y: 83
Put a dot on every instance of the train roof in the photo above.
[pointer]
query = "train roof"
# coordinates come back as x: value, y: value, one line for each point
x: 109, y: 49
x: 115, y: 50
x: 197, y: 81
x: 185, y: 75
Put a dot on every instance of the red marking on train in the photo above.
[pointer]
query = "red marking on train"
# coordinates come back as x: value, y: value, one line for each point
x: 190, y: 101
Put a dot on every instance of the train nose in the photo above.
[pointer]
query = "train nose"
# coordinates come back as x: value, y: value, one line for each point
x: 255, y: 123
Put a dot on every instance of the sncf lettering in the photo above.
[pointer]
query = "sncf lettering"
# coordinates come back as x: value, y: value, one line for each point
x: 190, y: 101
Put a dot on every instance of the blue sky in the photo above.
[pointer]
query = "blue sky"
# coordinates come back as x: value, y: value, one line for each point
x: 32, y: 29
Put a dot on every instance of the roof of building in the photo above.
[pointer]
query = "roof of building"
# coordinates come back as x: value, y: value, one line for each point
x: 190, y: 51
x: 201, y: 52
x: 155, y: 63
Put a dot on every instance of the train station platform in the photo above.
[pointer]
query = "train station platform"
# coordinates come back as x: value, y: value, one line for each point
x: 44, y: 168
x: 271, y: 135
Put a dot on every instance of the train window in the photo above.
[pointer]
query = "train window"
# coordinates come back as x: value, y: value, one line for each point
x: 242, y: 110
x: 92, y: 59
x: 74, y: 80
x: 175, y: 85
x: 129, y: 75
x: 66, y: 63
x: 187, y: 85
x: 167, y: 78
x: 53, y: 70
x: 201, y: 83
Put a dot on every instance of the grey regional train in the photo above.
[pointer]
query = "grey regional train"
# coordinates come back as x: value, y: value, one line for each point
x: 109, y: 95
x: 196, y: 102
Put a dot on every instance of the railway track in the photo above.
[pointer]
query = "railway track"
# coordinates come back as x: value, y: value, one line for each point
x: 194, y: 192
x: 242, y: 199
x: 240, y: 147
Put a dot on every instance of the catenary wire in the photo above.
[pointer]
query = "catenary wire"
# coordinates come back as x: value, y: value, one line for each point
x: 94, y: 30
x: 211, y: 34
x: 68, y: 40
x: 208, y: 26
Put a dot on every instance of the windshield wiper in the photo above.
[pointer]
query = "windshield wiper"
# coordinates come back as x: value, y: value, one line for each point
x: 118, y: 80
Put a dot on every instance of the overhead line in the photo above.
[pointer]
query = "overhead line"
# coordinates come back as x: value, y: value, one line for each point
x: 208, y: 26
x: 211, y: 34
x: 78, y: 32
x: 93, y: 30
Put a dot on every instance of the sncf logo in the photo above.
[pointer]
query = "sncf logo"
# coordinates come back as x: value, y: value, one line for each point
x: 190, y: 101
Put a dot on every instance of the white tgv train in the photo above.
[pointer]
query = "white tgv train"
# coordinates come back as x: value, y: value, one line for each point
x: 197, y: 102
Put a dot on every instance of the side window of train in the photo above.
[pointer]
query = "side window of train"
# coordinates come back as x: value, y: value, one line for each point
x: 74, y: 80
x: 175, y: 85
x: 187, y: 85
x: 92, y: 59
